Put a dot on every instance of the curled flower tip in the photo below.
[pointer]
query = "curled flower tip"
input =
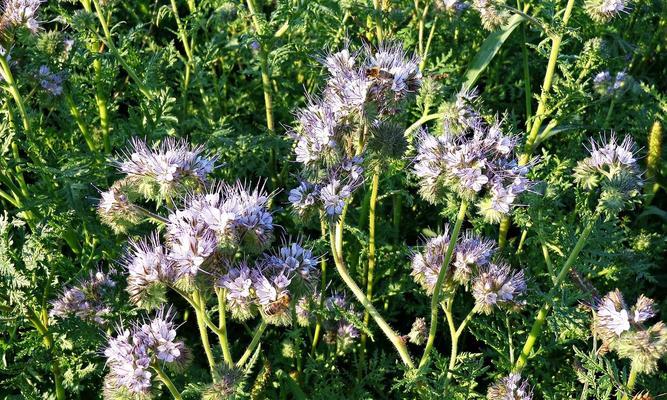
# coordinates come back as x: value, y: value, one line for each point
x: 51, y: 82
x: 226, y: 386
x: 492, y: 13
x: 333, y: 197
x: 603, y: 11
x: 128, y: 361
x: 392, y: 74
x: 116, y: 210
x: 86, y: 300
x: 427, y: 264
x: 612, y: 317
x: 149, y: 269
x: 304, y: 199
x: 511, y: 387
x: 272, y: 289
x: 417, y: 333
x: 16, y: 13
x: 297, y: 261
x: 644, y: 347
x: 317, y: 134
x: 346, y: 335
x: 237, y: 284
x: 496, y: 285
x: 159, y: 334
x: 167, y: 171
x: 471, y: 252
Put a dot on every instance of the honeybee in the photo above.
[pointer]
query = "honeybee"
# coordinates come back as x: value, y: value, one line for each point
x: 279, y: 305
x: 378, y: 73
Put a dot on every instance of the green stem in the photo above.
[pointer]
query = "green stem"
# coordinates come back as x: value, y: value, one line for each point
x: 323, y: 285
x: 200, y: 314
x: 222, y: 327
x: 167, y: 382
x: 79, y: 122
x: 371, y: 250
x: 422, y: 25
x: 541, y: 112
x: 101, y: 102
x: 632, y: 378
x: 435, y: 300
x: 253, y: 344
x: 421, y: 121
x: 112, y: 47
x: 47, y: 338
x: 422, y: 63
x: 264, y: 66
x: 336, y: 239
x: 378, y: 20
x: 544, y: 311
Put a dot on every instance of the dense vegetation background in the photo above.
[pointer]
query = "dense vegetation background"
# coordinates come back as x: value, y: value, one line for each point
x: 200, y: 69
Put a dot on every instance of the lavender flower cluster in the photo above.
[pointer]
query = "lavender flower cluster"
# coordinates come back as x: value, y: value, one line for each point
x: 611, y: 169
x: 167, y: 171
x: 16, y: 13
x: 473, y: 160
x: 491, y: 12
x: 493, y: 284
x: 272, y: 286
x: 603, y: 11
x: 605, y: 84
x: 624, y: 330
x: 52, y: 82
x: 133, y: 351
x: 86, y: 300
x: 333, y: 131
x: 511, y: 387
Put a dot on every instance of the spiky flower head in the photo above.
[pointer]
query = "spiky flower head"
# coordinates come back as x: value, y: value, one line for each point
x: 169, y: 170
x: 191, y: 243
x: 131, y: 352
x: 471, y: 252
x: 644, y: 347
x: 299, y: 262
x: 477, y: 163
x: 237, y: 284
x: 16, y: 13
x: 605, y: 84
x: 511, y: 387
x: 491, y: 12
x: 427, y: 264
x: 149, y: 269
x: 272, y: 290
x: 304, y: 199
x: 418, y: 332
x: 115, y: 208
x: 603, y: 11
x: 339, y: 329
x: 452, y: 6
x: 52, y: 82
x: 613, y: 171
x: 496, y: 285
x: 86, y: 300
x: 226, y: 386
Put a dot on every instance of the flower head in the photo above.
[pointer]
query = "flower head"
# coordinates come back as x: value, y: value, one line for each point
x: 17, y: 13
x: 471, y: 252
x: 491, y: 13
x: 51, y: 82
x: 238, y: 284
x: 496, y: 285
x: 510, y: 388
x: 427, y: 264
x: 86, y: 299
x: 603, y: 11
x: 173, y: 167
x: 116, y: 210
x: 148, y: 269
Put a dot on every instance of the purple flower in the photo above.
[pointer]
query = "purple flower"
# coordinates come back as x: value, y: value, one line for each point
x: 496, y: 285
x: 510, y: 388
x: 21, y: 12
x: 86, y: 299
x: 147, y: 265
x: 333, y: 197
x: 237, y: 283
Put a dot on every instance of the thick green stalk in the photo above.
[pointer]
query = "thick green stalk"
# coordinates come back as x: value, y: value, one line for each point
x: 222, y: 327
x: 544, y: 311
x: 101, y: 102
x: 421, y: 121
x: 189, y: 65
x: 541, y: 112
x: 435, y: 300
x: 632, y: 379
x: 73, y: 109
x: 371, y: 249
x: 653, y: 161
x: 253, y: 344
x: 47, y: 338
x: 112, y: 47
x: 167, y: 382
x: 422, y: 63
x: 264, y: 67
x: 200, y: 311
x: 377, y: 5
x: 336, y: 239
x: 323, y: 285
x: 455, y: 334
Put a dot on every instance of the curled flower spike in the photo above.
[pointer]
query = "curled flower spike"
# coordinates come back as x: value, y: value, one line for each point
x: 238, y: 284
x: 149, y: 269
x: 339, y: 330
x: 603, y: 11
x: 116, y: 209
x: 613, y: 171
x: 471, y: 252
x: 392, y: 74
x: 492, y: 14
x: 623, y: 330
x: 51, y: 82
x: 85, y: 300
x: 510, y: 388
x: 605, y: 84
x: 304, y: 199
x: 16, y: 13
x: 418, y: 332
x: 476, y: 163
x: 271, y: 287
x: 297, y: 261
x: 496, y: 285
x: 427, y: 264
x: 167, y: 171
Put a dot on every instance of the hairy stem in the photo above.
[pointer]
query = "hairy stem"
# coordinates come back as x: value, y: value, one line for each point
x: 79, y: 122
x: 264, y: 67
x: 47, y: 338
x: 536, y: 329
x: 632, y: 378
x: 222, y: 327
x: 167, y: 382
x: 253, y: 344
x: 200, y: 314
x: 336, y: 239
x: 371, y: 250
x: 323, y: 285
x: 435, y: 300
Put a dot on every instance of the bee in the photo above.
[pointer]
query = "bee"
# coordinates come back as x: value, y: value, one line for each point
x: 279, y: 305
x: 378, y: 73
